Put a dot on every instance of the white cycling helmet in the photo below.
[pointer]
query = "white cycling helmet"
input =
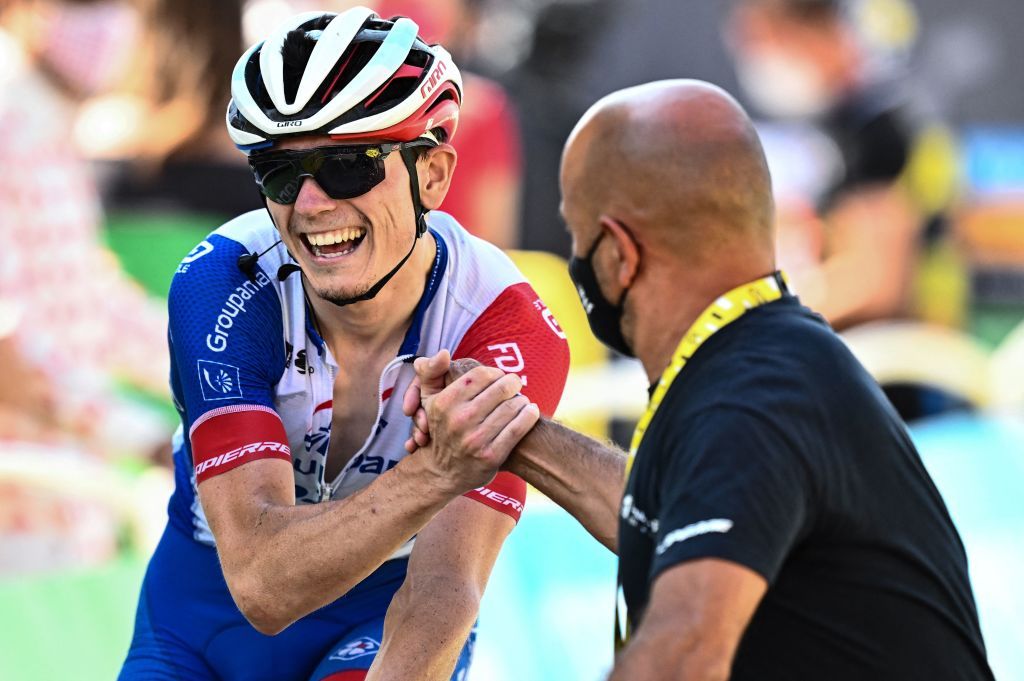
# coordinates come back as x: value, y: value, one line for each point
x: 352, y: 76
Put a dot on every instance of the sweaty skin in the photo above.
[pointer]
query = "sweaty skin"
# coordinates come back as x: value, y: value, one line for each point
x: 674, y: 175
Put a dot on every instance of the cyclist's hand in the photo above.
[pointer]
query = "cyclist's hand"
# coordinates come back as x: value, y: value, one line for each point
x: 474, y: 424
x: 432, y: 375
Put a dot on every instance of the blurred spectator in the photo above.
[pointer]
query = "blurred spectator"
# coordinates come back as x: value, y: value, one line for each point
x: 547, y: 90
x: 837, y: 64
x: 72, y: 323
x: 484, y: 196
x: 163, y: 134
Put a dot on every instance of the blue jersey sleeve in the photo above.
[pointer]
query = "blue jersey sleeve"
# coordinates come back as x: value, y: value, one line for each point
x: 225, y: 332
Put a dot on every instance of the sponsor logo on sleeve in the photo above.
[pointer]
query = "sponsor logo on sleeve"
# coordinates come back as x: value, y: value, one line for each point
x: 242, y: 452
x: 511, y: 358
x: 500, y: 499
x: 218, y: 381
x: 636, y: 517
x: 360, y: 647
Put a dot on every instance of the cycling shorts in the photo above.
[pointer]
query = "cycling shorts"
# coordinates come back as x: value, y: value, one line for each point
x: 188, y: 627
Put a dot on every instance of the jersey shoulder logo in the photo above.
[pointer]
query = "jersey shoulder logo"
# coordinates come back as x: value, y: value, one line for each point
x: 218, y: 381
x: 199, y: 251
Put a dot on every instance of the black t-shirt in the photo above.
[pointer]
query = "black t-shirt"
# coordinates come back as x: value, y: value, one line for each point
x: 874, y: 132
x: 878, y: 131
x: 775, y: 449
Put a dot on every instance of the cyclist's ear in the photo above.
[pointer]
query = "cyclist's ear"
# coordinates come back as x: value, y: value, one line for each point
x: 435, y: 170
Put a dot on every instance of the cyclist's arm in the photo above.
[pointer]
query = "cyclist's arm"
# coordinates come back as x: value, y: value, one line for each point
x: 431, y: 616
x: 283, y: 561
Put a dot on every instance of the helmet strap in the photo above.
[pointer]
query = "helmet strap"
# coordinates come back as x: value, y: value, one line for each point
x: 409, y: 158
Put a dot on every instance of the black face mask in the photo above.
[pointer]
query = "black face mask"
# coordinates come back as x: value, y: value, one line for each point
x: 605, y: 318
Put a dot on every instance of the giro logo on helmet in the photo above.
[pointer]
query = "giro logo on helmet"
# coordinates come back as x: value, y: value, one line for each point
x: 433, y: 80
x: 289, y: 124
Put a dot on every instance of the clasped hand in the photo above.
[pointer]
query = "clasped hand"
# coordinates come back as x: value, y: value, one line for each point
x: 467, y: 418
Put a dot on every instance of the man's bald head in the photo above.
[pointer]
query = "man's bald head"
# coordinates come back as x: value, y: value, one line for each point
x: 676, y: 161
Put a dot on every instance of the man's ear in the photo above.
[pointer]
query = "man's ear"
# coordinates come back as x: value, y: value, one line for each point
x: 435, y: 174
x: 626, y: 251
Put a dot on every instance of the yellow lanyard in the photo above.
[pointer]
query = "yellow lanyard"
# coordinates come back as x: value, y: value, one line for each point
x: 727, y: 309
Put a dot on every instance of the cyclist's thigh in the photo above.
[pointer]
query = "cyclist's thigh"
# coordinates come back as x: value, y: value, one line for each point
x: 188, y: 627
x: 351, y: 657
x: 152, y: 659
x: 240, y: 652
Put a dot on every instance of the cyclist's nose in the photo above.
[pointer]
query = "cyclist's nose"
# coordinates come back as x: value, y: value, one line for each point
x: 312, y: 199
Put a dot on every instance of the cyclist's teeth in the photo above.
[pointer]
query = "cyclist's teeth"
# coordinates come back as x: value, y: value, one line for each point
x: 335, y: 237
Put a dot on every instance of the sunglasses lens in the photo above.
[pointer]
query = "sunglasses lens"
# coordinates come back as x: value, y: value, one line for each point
x: 350, y: 175
x: 279, y: 180
x: 342, y: 174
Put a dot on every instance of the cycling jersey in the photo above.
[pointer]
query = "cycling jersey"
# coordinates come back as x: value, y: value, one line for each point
x: 251, y: 379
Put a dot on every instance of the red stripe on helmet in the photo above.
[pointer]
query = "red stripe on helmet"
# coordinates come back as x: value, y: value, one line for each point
x: 429, y: 116
x: 404, y: 71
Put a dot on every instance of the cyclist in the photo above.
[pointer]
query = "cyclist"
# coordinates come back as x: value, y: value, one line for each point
x: 290, y: 542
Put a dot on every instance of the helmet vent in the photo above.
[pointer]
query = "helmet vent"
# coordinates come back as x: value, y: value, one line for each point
x: 348, y: 67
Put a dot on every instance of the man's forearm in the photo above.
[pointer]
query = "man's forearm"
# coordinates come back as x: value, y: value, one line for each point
x: 695, y: 617
x: 431, y: 615
x: 427, y: 626
x: 582, y: 475
x: 645, y: 661
x: 340, y: 542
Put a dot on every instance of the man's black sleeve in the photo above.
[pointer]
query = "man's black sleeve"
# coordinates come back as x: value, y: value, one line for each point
x: 734, y: 487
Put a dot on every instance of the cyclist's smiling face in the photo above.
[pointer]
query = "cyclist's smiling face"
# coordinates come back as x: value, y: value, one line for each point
x: 344, y: 246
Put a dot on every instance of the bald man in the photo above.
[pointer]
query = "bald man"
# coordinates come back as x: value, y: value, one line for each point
x: 777, y: 522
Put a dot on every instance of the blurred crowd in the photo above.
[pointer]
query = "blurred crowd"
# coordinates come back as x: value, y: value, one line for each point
x: 899, y: 186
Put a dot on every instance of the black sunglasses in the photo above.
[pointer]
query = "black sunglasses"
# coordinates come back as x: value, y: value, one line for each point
x: 343, y: 172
